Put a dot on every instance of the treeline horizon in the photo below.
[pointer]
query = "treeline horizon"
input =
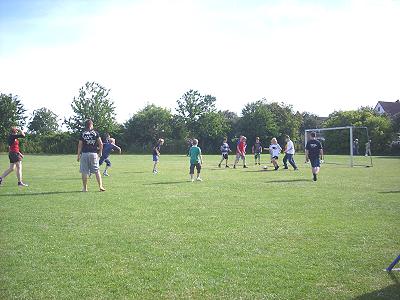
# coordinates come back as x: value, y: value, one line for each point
x: 195, y: 116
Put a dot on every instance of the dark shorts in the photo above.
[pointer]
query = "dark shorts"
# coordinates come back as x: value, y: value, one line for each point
x: 106, y: 160
x: 275, y: 157
x: 197, y: 166
x: 225, y: 156
x: 257, y: 155
x: 156, y: 157
x: 14, y: 157
x: 315, y: 162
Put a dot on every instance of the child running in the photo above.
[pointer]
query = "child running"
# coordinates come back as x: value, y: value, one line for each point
x: 108, y: 147
x: 241, y: 151
x: 274, y: 149
x: 225, y: 153
x: 289, y: 153
x: 314, y: 153
x: 257, y: 150
x: 196, y: 160
x: 156, y: 154
x: 15, y: 156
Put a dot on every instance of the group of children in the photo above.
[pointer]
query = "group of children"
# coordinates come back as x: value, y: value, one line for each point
x: 314, y: 154
x: 274, y: 150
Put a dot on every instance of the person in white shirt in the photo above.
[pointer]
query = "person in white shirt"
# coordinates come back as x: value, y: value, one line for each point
x: 274, y: 149
x: 289, y: 153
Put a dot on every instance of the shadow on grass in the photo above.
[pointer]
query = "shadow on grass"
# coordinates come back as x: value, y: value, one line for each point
x: 166, y: 182
x: 40, y: 194
x: 389, y: 192
x: 287, y: 181
x: 389, y: 292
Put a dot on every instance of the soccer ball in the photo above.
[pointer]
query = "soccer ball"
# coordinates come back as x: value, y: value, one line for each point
x: 265, y: 167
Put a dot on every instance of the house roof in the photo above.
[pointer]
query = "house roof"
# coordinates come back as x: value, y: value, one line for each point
x: 391, y: 108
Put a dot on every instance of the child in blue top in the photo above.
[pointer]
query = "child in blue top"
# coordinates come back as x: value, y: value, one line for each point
x: 108, y: 147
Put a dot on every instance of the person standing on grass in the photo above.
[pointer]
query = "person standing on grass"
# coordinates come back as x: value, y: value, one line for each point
x: 257, y: 150
x: 156, y: 154
x: 241, y: 151
x: 196, y: 160
x: 289, y: 153
x: 225, y: 153
x: 15, y: 156
x: 275, y: 150
x: 314, y: 154
x: 368, y: 148
x: 88, y: 145
x: 108, y: 147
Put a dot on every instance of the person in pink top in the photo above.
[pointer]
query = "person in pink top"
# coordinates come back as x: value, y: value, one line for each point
x: 241, y: 151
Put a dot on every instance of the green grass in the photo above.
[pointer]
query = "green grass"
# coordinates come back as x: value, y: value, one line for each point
x: 240, y: 233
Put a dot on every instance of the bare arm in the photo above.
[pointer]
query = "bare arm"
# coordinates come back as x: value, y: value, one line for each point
x: 307, y: 158
x: 79, y: 151
x: 321, y: 153
x: 100, y: 144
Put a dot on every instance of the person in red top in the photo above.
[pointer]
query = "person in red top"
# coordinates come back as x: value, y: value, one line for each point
x: 241, y: 151
x: 15, y: 156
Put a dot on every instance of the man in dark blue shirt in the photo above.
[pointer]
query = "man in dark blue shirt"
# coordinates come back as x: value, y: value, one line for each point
x: 108, y: 147
x: 89, y: 143
x: 313, y: 153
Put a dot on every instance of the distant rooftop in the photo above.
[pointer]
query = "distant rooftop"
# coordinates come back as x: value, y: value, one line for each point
x: 390, y: 108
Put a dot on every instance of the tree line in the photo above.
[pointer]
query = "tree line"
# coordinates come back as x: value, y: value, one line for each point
x: 195, y: 115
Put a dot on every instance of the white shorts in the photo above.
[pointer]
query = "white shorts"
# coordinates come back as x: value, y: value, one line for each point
x: 89, y: 163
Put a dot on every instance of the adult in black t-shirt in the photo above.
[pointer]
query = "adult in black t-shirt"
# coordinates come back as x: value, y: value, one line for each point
x: 88, y: 147
x: 313, y: 153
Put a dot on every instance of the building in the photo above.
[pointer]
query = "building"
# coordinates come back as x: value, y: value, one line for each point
x: 389, y: 108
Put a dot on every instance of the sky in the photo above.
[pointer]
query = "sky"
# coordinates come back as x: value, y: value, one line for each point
x: 319, y: 56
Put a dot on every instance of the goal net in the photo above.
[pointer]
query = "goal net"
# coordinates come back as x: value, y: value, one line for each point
x: 344, y: 145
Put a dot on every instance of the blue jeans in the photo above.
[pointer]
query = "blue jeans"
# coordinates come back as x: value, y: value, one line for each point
x: 289, y: 157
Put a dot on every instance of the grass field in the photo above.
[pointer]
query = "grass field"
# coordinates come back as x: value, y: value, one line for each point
x: 241, y: 233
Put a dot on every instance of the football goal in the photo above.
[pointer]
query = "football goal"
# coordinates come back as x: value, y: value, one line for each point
x: 344, y: 145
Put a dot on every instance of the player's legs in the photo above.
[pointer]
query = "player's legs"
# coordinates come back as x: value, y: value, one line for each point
x: 99, y: 181
x: 84, y: 182
x: 108, y: 165
x: 155, y: 160
x: 285, y: 160
x: 8, y: 171
x: 18, y: 167
x: 198, y: 168
x: 236, y: 160
x: 222, y: 159
x: 191, y: 172
x: 292, y: 162
x: 244, y: 161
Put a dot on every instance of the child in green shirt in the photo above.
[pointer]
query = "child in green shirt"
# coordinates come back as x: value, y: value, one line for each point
x: 196, y: 160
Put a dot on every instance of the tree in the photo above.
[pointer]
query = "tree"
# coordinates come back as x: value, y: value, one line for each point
x: 258, y: 120
x: 148, y: 124
x: 287, y: 122
x: 12, y: 113
x: 379, y: 126
x: 191, y: 106
x: 212, y: 128
x: 93, y: 103
x: 43, y: 121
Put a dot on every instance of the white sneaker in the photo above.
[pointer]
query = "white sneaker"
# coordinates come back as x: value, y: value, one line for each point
x: 192, y: 180
x: 199, y: 179
x: 105, y: 174
x: 155, y: 172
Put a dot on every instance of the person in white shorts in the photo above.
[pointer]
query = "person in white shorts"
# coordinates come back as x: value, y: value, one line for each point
x: 88, y: 147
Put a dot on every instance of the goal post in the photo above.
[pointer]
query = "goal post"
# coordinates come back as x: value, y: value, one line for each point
x: 345, y: 140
